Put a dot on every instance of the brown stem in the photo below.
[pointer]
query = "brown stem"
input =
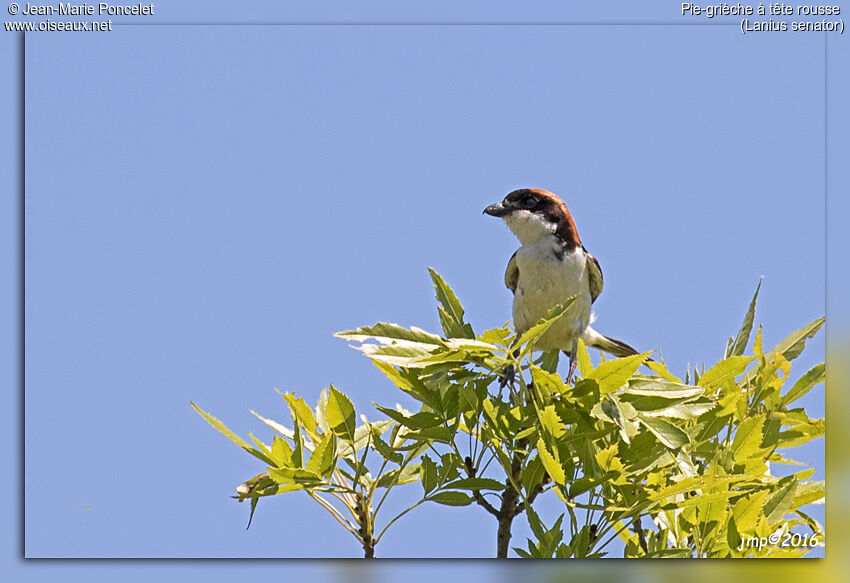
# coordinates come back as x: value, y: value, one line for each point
x: 641, y: 536
x: 508, y: 510
x: 365, y: 520
x: 476, y: 494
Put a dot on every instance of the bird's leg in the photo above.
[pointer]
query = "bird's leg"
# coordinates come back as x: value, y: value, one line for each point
x: 508, y: 375
x: 573, y: 362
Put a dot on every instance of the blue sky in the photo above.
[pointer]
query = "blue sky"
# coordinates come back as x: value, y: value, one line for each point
x: 205, y: 206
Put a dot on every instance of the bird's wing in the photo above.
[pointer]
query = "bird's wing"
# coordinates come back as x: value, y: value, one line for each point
x: 512, y: 274
x: 595, y: 276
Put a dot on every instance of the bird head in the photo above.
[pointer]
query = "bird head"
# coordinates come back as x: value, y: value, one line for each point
x: 533, y: 213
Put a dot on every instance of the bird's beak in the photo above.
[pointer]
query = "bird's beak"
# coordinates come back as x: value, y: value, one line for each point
x: 496, y: 210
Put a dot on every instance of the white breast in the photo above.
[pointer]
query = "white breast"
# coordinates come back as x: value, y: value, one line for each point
x: 548, y: 277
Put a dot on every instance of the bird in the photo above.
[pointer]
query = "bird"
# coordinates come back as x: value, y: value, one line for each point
x: 551, y: 266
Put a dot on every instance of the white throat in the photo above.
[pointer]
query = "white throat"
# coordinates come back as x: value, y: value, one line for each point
x: 528, y: 227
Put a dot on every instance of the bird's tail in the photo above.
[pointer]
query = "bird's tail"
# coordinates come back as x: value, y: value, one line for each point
x: 614, y: 347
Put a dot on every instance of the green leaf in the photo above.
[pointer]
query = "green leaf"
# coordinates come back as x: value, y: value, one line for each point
x: 743, y: 337
x: 792, y: 346
x: 585, y: 367
x: 532, y: 474
x: 748, y: 438
x: 804, y: 384
x: 223, y: 429
x: 676, y: 410
x: 298, y: 476
x: 661, y: 370
x: 451, y: 498
x: 476, y: 484
x: 411, y: 384
x: 728, y: 368
x: 322, y: 461
x: 321, y: 407
x: 390, y: 331
x: 441, y: 434
x: 405, y: 475
x: 429, y: 474
x: 780, y: 502
x: 813, y: 492
x: 301, y: 411
x: 667, y: 433
x: 547, y: 382
x: 450, y: 310
x: 553, y: 466
x: 527, y: 340
x: 421, y: 420
x: 613, y: 374
x: 608, y: 459
x: 550, y: 421
x: 283, y: 430
x: 340, y: 415
x: 733, y: 538
x: 663, y: 389
x: 383, y: 448
x: 281, y: 452
x: 748, y: 509
x: 403, y: 353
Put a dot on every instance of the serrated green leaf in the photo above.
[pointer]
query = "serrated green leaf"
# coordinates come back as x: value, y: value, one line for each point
x: 613, y: 374
x: 301, y: 411
x: 733, y: 538
x: 553, y: 466
x: 401, y: 353
x: 428, y: 470
x: 662, y: 389
x: 585, y: 367
x: 224, y: 430
x: 530, y: 336
x: 667, y: 433
x: 298, y: 476
x: 804, y: 384
x: 383, y: 448
x: 322, y: 460
x: 451, y: 498
x: 340, y: 415
x: 389, y: 332
x: 547, y: 382
x: 748, y: 438
x: 421, y: 420
x: 813, y: 492
x: 747, y: 510
x: 441, y: 434
x: 725, y: 369
x: 532, y: 474
x: 405, y: 475
x: 475, y: 484
x: 282, y: 429
x: 743, y: 337
x: 551, y: 423
x: 780, y: 503
x: 450, y: 310
x: 676, y: 410
x: 791, y: 347
x: 281, y: 452
x: 410, y: 384
x: 321, y: 406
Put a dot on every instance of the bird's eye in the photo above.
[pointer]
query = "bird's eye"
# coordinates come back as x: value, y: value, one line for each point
x: 529, y: 202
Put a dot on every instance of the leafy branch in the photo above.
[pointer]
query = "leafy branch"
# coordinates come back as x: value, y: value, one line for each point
x: 670, y: 467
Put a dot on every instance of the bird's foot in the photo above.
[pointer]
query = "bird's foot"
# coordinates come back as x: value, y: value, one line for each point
x: 507, y: 376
